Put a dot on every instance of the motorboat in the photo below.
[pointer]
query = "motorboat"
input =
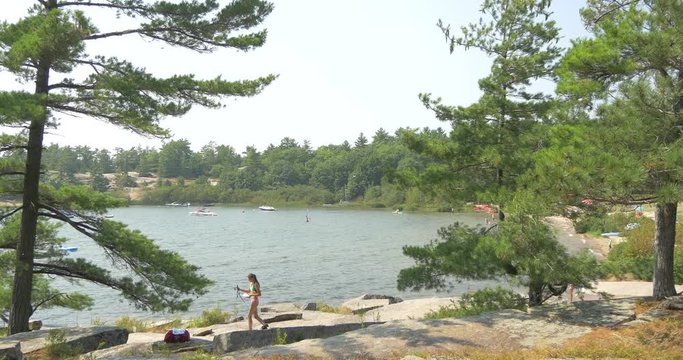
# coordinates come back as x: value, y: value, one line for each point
x: 68, y: 249
x: 203, y: 212
x: 266, y: 208
x: 177, y: 204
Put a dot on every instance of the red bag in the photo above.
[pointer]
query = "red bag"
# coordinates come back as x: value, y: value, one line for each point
x: 177, y: 335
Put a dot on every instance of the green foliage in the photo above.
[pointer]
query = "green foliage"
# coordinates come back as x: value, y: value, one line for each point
x: 520, y: 247
x: 57, y: 347
x: 280, y: 337
x: 490, y: 143
x: 132, y: 324
x: 598, y: 221
x: 480, y: 301
x: 43, y: 296
x: 625, y: 79
x: 331, y: 309
x: 633, y: 258
x: 50, y: 40
x: 123, y: 180
x: 210, y: 317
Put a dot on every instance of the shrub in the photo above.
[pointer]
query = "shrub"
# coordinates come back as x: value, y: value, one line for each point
x: 210, y: 317
x: 598, y: 221
x: 634, y: 257
x: 57, y: 348
x: 331, y: 309
x: 481, y: 301
x: 280, y: 337
x: 132, y: 324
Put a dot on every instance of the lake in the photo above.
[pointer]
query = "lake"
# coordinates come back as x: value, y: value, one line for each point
x: 339, y: 254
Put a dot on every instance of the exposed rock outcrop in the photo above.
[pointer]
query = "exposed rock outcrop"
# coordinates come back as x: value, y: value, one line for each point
x: 82, y: 339
x: 239, y: 340
x: 11, y: 351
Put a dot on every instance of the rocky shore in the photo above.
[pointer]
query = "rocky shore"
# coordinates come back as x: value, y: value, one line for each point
x: 378, y: 327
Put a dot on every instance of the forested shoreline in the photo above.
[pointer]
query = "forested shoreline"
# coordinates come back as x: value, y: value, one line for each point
x: 368, y: 173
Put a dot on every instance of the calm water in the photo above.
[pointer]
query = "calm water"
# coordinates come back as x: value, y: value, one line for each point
x: 338, y: 255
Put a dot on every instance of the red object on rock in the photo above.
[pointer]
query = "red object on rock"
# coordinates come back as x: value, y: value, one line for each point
x: 176, y: 336
x: 587, y: 201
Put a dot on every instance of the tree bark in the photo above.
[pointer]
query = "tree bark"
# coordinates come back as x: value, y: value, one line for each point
x: 21, y: 309
x: 665, y: 238
x: 535, y: 294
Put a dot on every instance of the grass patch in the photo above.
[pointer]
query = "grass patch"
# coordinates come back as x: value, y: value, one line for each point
x: 132, y: 324
x: 658, y: 339
x: 479, y: 302
x: 163, y: 328
x: 210, y: 317
x: 3, y: 332
x: 57, y: 348
x: 334, y: 310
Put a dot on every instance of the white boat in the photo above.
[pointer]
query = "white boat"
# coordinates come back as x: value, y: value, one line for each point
x: 266, y: 208
x: 68, y: 249
x: 177, y: 204
x: 203, y: 212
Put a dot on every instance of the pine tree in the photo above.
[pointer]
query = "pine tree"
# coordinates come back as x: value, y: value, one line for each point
x: 52, y: 40
x: 631, y: 71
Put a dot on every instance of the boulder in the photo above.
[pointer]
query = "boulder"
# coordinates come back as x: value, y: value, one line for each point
x: 35, y: 325
x: 11, y: 351
x: 310, y: 306
x: 283, y: 317
x: 392, y: 299
x: 83, y: 339
x: 369, y: 302
x: 238, y: 340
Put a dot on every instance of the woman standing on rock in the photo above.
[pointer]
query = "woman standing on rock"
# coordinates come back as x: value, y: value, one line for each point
x: 254, y: 293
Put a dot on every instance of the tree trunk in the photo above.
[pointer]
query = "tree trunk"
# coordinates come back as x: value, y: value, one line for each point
x: 665, y: 237
x: 21, y: 309
x: 535, y: 294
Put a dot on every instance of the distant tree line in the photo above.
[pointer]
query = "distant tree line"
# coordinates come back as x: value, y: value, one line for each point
x: 290, y: 171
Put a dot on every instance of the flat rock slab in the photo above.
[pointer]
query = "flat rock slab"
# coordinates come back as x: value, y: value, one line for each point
x: 11, y: 351
x: 508, y: 330
x: 283, y: 317
x: 83, y: 339
x: 280, y: 308
x: 370, y: 302
x: 590, y: 313
x: 239, y: 340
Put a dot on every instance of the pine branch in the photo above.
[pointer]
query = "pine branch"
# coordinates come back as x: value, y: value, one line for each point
x: 619, y: 5
x: 138, y: 9
x: 58, y: 270
x: 39, y: 304
x: 6, y: 215
x: 12, y: 147
x: 82, y: 226
x: 71, y: 86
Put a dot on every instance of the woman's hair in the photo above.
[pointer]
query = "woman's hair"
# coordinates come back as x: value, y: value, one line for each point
x: 252, y: 276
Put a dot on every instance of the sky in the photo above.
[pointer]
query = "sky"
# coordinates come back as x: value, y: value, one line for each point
x: 345, y: 67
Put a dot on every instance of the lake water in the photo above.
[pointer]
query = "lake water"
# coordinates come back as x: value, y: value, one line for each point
x: 338, y: 255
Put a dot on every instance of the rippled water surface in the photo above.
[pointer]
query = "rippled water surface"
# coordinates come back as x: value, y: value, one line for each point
x: 339, y: 254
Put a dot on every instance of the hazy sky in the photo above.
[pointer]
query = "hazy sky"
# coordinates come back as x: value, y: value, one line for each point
x: 345, y: 67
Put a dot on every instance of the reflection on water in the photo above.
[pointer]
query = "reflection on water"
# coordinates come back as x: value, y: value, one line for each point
x: 339, y: 254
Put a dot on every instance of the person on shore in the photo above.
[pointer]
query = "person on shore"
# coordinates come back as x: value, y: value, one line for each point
x: 254, y: 293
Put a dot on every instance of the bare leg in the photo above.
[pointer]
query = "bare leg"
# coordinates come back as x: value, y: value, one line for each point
x: 252, y: 312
